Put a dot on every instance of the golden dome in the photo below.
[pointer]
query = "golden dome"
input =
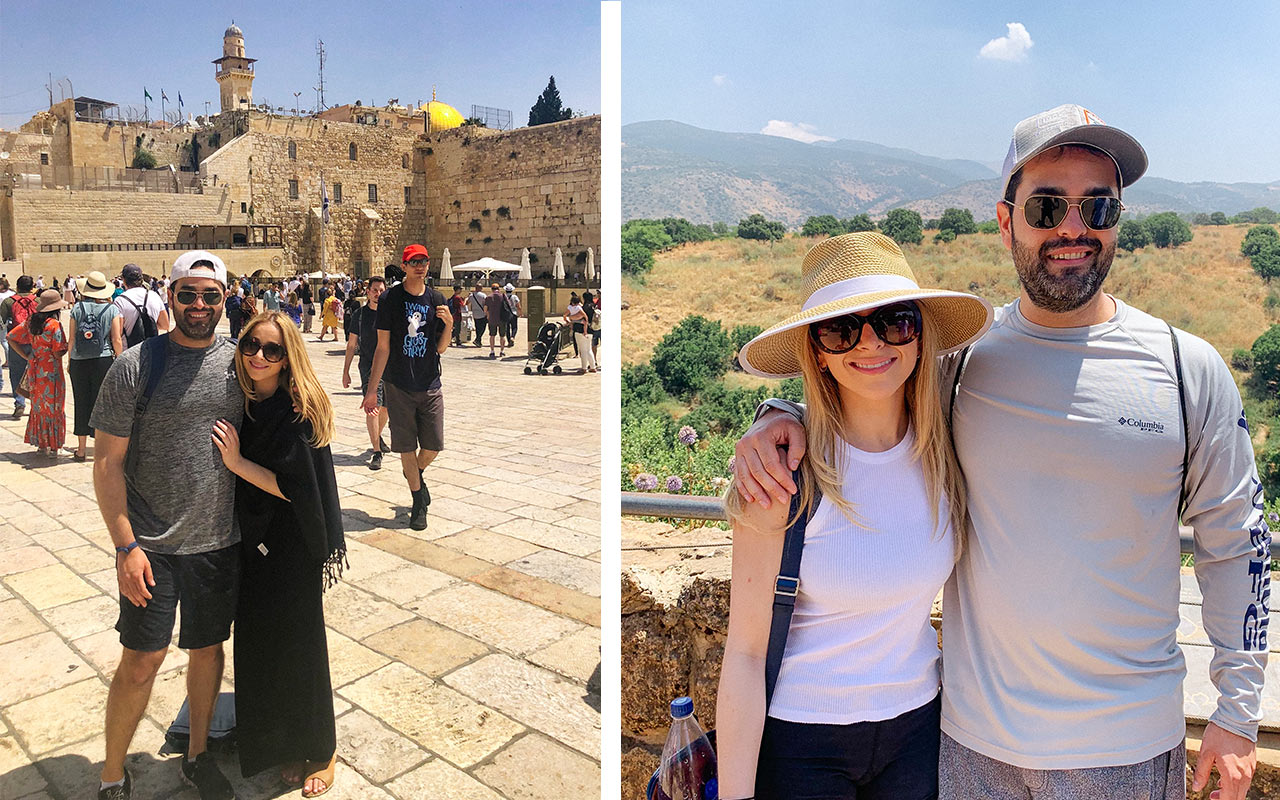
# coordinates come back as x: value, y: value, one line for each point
x: 441, y: 116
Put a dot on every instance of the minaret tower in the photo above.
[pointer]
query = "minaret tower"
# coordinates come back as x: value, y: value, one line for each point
x: 235, y: 72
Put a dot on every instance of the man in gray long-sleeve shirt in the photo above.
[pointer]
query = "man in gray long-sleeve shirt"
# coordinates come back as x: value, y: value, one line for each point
x: 1062, y: 672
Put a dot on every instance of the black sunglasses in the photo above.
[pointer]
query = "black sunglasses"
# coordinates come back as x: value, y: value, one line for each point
x: 1044, y: 211
x: 895, y: 324
x: 211, y: 297
x: 270, y: 351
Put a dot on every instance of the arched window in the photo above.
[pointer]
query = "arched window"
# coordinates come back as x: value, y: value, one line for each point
x: 351, y: 151
x: 293, y: 151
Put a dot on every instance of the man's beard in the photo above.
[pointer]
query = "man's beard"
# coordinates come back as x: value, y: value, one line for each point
x: 1069, y: 290
x: 198, y: 330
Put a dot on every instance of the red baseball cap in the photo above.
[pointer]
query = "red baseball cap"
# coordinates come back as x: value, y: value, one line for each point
x: 415, y: 250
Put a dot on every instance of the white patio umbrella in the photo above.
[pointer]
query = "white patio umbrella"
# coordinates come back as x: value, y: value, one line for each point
x: 591, y: 264
x: 558, y: 269
x: 446, y: 271
x: 526, y: 271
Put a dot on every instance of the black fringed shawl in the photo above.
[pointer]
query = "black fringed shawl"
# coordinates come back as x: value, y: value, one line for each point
x: 273, y: 436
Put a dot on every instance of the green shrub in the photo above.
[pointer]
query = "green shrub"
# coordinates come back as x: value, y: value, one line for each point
x: 649, y: 233
x: 957, y: 220
x: 822, y: 225
x: 636, y: 258
x: 1168, y: 229
x: 694, y: 353
x: 739, y: 336
x: 904, y: 226
x: 990, y: 226
x: 1266, y: 357
x: 859, y: 223
x: 143, y: 159
x: 1242, y: 359
x: 1132, y: 235
x: 945, y: 235
x: 1266, y: 262
x: 757, y: 227
x: 1258, y: 239
x: 641, y: 385
x: 650, y: 445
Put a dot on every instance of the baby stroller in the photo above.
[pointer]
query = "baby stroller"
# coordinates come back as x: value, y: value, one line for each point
x: 546, y: 350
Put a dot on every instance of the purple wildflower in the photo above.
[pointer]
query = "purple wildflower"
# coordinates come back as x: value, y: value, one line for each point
x: 687, y: 435
x: 1273, y: 517
x: 645, y: 482
x: 674, y: 484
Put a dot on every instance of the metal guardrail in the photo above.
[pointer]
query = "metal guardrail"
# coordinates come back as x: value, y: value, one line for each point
x: 675, y: 506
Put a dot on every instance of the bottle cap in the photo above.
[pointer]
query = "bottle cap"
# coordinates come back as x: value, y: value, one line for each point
x: 681, y: 707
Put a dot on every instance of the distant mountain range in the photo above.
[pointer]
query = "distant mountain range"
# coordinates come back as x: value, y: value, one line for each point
x: 670, y: 169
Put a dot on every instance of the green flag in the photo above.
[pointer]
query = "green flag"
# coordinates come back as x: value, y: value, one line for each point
x: 146, y: 94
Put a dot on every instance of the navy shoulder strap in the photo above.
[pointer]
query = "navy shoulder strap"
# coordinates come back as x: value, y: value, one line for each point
x: 151, y: 364
x: 1186, y: 426
x: 785, y: 588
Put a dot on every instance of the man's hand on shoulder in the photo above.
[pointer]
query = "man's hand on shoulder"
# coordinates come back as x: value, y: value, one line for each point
x: 1235, y: 757
x: 762, y: 476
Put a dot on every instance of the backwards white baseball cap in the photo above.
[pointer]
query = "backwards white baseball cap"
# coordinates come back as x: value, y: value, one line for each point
x: 198, y: 264
x: 1072, y: 124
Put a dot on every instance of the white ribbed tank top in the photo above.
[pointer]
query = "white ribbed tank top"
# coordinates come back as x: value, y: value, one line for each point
x: 861, y: 647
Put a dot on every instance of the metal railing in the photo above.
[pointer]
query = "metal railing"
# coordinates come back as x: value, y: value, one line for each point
x: 674, y: 506
x: 115, y: 247
x: 114, y: 179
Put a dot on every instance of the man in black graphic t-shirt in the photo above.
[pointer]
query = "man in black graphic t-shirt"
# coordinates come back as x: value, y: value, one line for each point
x: 414, y: 324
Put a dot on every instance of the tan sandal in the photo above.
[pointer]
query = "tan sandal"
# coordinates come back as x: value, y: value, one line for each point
x: 324, y: 774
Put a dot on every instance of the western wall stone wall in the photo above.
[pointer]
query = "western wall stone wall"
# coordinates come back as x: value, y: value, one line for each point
x: 363, y: 234
x: 97, y: 144
x: 61, y: 216
x: 493, y: 193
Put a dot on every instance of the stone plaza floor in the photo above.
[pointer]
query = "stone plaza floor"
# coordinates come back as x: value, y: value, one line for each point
x: 465, y: 658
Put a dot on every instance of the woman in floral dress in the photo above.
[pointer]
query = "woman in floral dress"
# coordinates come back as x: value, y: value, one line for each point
x: 43, y: 343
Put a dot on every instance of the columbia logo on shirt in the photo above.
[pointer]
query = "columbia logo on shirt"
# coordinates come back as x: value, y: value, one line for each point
x: 1142, y: 425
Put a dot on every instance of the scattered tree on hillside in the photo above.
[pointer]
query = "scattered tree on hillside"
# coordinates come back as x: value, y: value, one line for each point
x: 1167, y: 229
x: 957, y: 220
x: 548, y: 107
x: 694, y: 353
x: 682, y: 230
x: 989, y: 226
x: 739, y: 336
x: 757, y: 227
x: 721, y: 229
x: 822, y: 225
x: 648, y: 233
x: 1260, y: 216
x: 1217, y: 218
x: 636, y: 258
x: 1266, y: 357
x: 1259, y: 238
x: 904, y: 226
x: 1267, y: 262
x: 945, y: 235
x: 861, y: 222
x: 1132, y: 235
x: 641, y: 385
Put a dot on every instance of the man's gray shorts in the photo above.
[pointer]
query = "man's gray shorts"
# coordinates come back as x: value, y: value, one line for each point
x: 964, y: 775
x: 417, y: 419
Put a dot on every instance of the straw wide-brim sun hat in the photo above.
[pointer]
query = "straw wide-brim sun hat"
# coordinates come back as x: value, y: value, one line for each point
x: 853, y: 273
x: 95, y: 287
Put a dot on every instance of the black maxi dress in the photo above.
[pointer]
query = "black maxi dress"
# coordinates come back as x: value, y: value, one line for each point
x: 290, y: 552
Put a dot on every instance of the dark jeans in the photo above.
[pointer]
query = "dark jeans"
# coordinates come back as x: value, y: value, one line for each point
x: 236, y: 321
x: 480, y: 323
x: 17, y: 368
x: 457, y: 329
x: 86, y: 379
x: 896, y: 759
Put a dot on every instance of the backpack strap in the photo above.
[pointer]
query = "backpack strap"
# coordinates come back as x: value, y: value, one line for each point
x: 151, y: 363
x: 1186, y: 424
x: 955, y: 390
x: 785, y: 588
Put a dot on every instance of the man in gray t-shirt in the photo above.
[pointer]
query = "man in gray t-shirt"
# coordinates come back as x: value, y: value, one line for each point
x: 169, y: 506
x: 1062, y: 671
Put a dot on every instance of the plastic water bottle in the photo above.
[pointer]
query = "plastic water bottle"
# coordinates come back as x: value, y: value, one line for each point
x: 688, y: 770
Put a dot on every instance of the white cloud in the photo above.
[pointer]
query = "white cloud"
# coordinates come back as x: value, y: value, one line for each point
x: 720, y: 80
x: 1010, y: 47
x: 800, y: 131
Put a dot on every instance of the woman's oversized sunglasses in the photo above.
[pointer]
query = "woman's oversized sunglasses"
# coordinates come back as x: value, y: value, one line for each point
x: 896, y: 324
x: 271, y: 351
x: 1044, y: 211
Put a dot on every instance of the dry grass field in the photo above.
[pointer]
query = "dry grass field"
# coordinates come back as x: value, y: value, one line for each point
x: 1205, y: 286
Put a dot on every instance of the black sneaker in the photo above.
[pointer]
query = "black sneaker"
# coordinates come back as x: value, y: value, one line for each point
x: 383, y: 446
x: 122, y: 792
x: 17, y: 412
x: 203, y: 773
x: 418, y: 514
x: 376, y: 461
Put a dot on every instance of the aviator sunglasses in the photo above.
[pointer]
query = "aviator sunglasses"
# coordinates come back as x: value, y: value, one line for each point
x: 1044, y: 211
x: 270, y: 351
x: 895, y: 324
x: 211, y: 297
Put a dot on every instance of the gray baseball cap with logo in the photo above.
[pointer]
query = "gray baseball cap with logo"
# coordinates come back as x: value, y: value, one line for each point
x: 1072, y: 124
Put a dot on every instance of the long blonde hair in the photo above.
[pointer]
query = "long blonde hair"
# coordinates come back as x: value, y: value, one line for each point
x: 821, y: 470
x: 309, y: 397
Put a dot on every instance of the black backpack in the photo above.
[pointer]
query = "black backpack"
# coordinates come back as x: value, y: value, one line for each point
x: 144, y: 327
x: 89, y: 333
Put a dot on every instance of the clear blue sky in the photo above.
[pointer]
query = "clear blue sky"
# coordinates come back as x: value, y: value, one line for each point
x: 484, y: 52
x: 1196, y: 84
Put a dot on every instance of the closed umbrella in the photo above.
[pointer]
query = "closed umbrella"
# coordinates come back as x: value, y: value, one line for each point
x: 526, y: 271
x: 446, y: 271
x: 558, y: 269
x: 591, y: 264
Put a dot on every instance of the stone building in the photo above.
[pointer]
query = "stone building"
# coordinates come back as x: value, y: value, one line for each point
x: 69, y: 203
